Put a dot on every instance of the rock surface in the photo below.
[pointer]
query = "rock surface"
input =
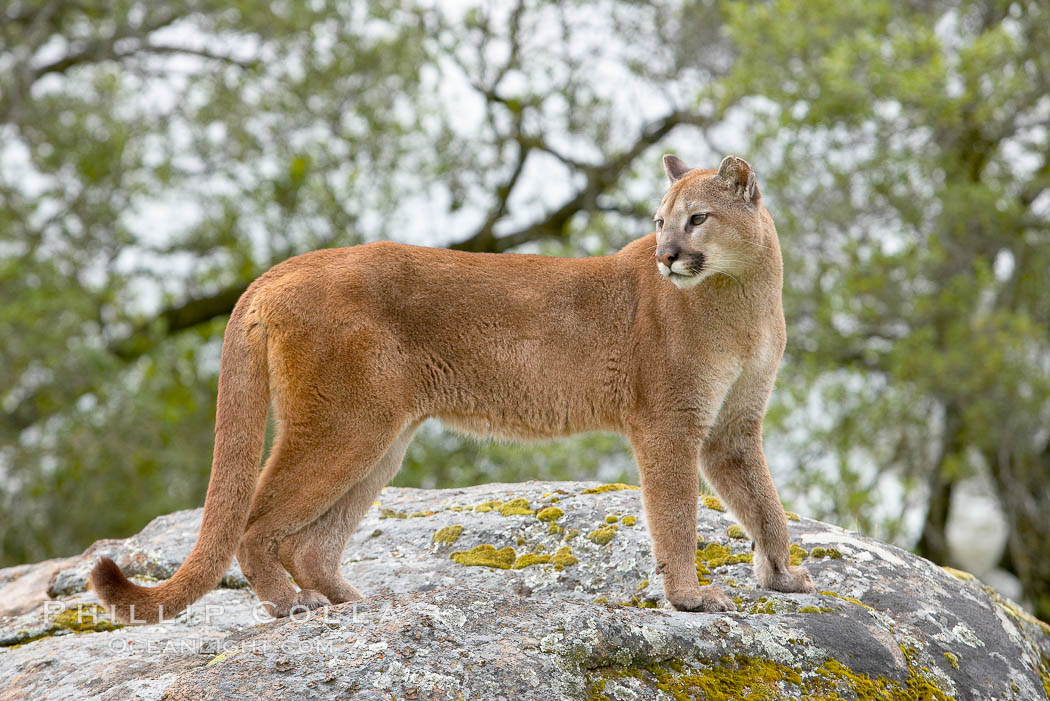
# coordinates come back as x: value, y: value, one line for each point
x: 569, y: 608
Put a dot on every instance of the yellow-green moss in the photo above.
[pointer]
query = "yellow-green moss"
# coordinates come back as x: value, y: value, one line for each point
x: 629, y: 520
x: 82, y: 618
x: 797, y: 553
x: 767, y: 605
x: 615, y: 487
x: 712, y: 502
x: 819, y: 552
x: 519, y: 541
x: 486, y: 556
x: 744, y: 679
x: 1017, y: 613
x: 602, y: 535
x: 792, y: 516
x: 641, y: 603
x: 571, y: 534
x: 222, y: 656
x: 642, y: 584
x: 763, y: 605
x: 530, y: 559
x: 562, y: 558
x: 916, y: 686
x: 953, y: 659
x: 850, y: 599
x: 447, y: 535
x: 611, y: 519
x: 959, y: 574
x: 754, y: 679
x: 516, y: 507
x: 737, y: 531
x: 391, y: 513
x: 701, y: 569
x: 716, y: 555
x: 550, y: 513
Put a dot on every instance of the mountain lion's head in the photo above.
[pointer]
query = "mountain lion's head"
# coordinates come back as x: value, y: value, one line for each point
x: 708, y: 222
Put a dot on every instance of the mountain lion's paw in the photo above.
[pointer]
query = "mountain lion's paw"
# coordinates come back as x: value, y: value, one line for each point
x: 795, y: 580
x: 710, y: 600
x: 341, y: 592
x: 306, y: 600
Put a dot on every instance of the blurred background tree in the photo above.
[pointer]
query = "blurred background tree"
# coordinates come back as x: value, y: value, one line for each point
x: 156, y: 157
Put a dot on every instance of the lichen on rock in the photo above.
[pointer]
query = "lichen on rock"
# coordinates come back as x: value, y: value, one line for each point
x: 549, y: 513
x: 736, y: 531
x: 560, y: 559
x: 516, y: 507
x: 602, y: 536
x: 797, y: 554
x: 76, y: 618
x: 819, y: 552
x: 615, y: 487
x: 447, y: 535
x: 486, y: 556
x: 712, y: 502
x: 525, y: 608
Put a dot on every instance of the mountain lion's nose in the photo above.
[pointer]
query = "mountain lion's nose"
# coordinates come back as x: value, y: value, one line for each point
x: 667, y: 256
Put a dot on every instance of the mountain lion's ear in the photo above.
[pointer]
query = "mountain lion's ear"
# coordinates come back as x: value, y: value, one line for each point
x: 675, y: 167
x: 738, y: 176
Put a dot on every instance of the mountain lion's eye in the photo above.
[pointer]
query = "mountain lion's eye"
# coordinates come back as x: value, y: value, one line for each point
x: 697, y: 219
x: 659, y: 223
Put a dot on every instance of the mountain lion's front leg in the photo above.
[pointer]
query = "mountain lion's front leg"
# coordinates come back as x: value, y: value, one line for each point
x: 668, y: 465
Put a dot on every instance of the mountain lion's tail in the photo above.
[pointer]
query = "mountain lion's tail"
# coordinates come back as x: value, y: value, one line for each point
x: 240, y: 426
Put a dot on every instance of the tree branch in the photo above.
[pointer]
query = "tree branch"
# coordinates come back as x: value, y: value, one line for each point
x: 186, y: 51
x: 599, y: 179
x: 102, y: 49
x: 145, y: 337
x: 178, y: 318
x: 142, y: 340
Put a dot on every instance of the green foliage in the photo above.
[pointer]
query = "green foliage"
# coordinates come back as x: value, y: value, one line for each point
x: 909, y: 179
x: 156, y: 157
x: 439, y: 458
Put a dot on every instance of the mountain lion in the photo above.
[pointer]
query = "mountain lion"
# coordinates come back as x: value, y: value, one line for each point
x: 674, y: 341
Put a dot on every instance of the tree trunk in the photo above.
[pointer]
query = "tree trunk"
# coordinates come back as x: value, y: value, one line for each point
x: 1022, y: 482
x: 933, y: 544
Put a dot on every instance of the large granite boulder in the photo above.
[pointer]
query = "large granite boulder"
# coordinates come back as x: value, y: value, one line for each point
x: 530, y: 591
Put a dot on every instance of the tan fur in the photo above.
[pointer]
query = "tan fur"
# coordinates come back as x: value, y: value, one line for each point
x: 358, y: 345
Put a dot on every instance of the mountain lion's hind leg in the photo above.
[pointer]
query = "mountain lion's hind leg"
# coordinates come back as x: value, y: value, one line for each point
x: 313, y: 554
x: 305, y: 476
